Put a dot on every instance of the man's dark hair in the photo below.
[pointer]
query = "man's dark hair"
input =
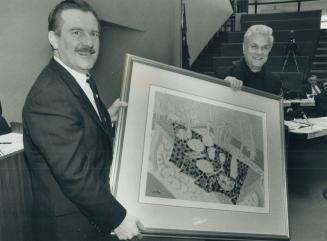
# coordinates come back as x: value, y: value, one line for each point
x: 54, y: 19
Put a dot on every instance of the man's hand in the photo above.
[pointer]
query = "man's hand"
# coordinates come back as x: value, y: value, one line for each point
x: 114, y: 109
x: 129, y: 228
x: 235, y: 83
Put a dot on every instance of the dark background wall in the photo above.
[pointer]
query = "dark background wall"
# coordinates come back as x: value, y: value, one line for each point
x: 25, y: 49
x: 147, y: 28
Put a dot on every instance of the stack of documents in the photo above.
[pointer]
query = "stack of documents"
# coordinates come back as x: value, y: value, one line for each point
x: 11, y: 143
x: 294, y: 125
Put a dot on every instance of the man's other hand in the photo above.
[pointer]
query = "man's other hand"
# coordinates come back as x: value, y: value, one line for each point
x: 235, y: 83
x: 114, y: 109
x: 129, y: 228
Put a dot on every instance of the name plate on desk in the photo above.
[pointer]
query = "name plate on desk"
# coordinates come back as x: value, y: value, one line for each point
x: 11, y: 143
x: 301, y: 102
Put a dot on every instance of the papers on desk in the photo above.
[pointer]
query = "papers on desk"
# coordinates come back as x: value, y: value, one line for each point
x: 11, y: 143
x: 295, y: 125
x: 316, y: 127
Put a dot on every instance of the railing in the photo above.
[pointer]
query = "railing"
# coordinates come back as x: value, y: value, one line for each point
x: 256, y: 3
x: 242, y: 6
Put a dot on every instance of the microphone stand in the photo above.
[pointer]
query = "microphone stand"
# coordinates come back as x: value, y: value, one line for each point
x: 306, y: 119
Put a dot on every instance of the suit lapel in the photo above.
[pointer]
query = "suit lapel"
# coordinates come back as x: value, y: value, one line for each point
x: 79, y: 93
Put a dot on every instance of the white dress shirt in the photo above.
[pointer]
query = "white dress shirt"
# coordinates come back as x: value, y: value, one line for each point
x: 315, y: 90
x: 81, y: 80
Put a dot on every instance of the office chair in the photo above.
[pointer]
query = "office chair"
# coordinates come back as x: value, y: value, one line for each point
x: 4, y: 127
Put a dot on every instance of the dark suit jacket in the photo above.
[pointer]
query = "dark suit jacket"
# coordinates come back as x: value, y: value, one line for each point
x: 263, y: 80
x: 321, y: 104
x: 4, y: 127
x: 308, y: 88
x: 68, y: 151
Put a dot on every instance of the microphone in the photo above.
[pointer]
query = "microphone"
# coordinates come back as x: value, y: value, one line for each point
x: 306, y: 118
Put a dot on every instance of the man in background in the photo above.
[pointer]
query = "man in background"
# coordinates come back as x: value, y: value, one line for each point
x: 311, y: 87
x: 68, y: 137
x: 251, y: 69
x: 321, y: 101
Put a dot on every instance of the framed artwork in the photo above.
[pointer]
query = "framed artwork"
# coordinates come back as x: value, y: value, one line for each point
x: 193, y: 158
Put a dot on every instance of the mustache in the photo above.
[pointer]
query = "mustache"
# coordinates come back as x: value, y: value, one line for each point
x: 85, y: 49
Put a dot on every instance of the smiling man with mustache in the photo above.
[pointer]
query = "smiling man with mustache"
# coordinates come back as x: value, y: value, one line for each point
x: 251, y: 70
x: 68, y: 137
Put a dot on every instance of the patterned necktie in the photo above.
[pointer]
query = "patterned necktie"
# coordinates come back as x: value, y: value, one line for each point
x: 100, y: 106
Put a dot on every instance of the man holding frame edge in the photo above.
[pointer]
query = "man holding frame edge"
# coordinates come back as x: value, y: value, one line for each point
x: 68, y: 137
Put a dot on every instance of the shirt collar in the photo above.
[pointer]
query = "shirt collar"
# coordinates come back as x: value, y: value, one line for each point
x: 79, y: 77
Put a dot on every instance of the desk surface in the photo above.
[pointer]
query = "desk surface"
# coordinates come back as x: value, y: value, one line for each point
x: 10, y: 144
x: 312, y: 127
x: 301, y: 102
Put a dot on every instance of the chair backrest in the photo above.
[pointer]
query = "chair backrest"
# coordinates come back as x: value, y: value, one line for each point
x: 4, y: 127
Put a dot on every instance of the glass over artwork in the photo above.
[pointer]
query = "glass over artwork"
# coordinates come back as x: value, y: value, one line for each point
x: 195, y: 159
x: 203, y: 153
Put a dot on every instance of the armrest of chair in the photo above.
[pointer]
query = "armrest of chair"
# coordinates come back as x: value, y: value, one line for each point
x: 4, y: 127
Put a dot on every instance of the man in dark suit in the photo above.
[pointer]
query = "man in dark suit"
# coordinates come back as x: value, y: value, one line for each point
x: 311, y: 86
x: 321, y: 101
x: 68, y: 137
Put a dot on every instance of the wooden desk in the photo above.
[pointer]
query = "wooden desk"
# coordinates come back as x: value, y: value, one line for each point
x: 15, y: 199
x: 318, y: 127
x: 307, y: 146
